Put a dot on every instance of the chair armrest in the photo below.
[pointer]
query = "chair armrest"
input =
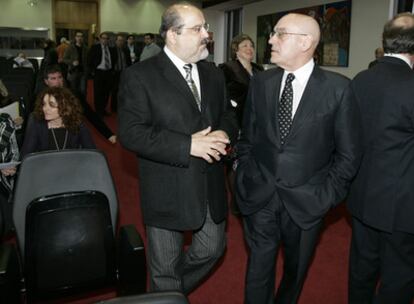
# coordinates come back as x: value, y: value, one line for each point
x: 132, y: 268
x: 10, y: 275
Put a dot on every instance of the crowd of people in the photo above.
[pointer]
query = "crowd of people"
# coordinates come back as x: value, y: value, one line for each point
x: 291, y: 143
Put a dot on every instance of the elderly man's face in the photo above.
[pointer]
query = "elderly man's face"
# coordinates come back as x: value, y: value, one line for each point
x: 120, y: 41
x: 191, y: 42
x: 286, y: 43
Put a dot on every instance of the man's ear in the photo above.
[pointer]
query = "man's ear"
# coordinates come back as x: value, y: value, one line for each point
x: 306, y: 42
x: 171, y: 36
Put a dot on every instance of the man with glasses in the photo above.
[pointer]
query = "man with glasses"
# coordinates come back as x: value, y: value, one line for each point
x: 173, y: 113
x: 299, y: 150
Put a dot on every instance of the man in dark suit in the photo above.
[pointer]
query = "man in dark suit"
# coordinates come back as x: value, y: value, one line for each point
x: 133, y: 49
x: 381, y: 199
x: 123, y: 60
x: 299, y: 150
x: 101, y: 62
x: 173, y: 113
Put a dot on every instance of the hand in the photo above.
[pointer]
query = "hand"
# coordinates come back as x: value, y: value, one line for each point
x: 76, y: 63
x: 209, y: 145
x: 9, y: 171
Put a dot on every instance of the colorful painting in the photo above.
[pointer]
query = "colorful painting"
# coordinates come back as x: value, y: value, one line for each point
x: 335, y: 22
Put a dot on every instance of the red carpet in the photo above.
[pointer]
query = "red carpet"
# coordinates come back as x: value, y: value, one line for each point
x: 327, y: 278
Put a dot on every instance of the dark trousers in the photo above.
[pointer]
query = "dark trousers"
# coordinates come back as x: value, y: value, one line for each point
x: 102, y: 86
x: 387, y: 257
x: 173, y: 268
x: 265, y: 231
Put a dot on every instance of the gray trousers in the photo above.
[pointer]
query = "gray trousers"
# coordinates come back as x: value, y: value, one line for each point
x: 172, y: 267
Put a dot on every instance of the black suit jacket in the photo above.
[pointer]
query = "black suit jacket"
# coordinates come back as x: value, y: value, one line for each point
x: 95, y: 57
x: 382, y: 194
x: 312, y: 171
x: 237, y: 83
x: 157, y: 115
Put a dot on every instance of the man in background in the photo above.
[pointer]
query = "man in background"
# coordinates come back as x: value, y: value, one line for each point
x: 381, y: 200
x: 123, y: 60
x: 379, y: 52
x: 132, y: 48
x: 150, y: 48
x: 101, y: 61
x: 75, y: 58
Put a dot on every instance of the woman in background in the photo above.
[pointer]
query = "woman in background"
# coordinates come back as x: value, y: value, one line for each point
x: 56, y: 124
x: 238, y: 72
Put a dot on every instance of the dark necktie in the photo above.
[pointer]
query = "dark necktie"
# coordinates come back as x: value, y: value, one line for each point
x: 191, y: 84
x: 285, y: 108
x: 120, y: 63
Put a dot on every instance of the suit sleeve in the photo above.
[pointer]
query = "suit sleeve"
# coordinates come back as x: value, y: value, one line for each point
x: 139, y: 133
x: 85, y: 137
x: 348, y: 148
x: 31, y: 141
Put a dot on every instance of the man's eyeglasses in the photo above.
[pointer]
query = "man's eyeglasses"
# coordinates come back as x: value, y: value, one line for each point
x: 197, y: 28
x: 280, y: 34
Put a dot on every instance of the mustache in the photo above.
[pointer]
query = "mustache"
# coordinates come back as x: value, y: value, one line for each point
x: 205, y: 41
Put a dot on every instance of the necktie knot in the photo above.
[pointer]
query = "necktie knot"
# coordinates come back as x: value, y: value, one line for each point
x: 187, y: 68
x: 290, y: 77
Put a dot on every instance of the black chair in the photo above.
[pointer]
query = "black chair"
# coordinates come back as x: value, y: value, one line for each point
x: 164, y: 297
x: 65, y: 214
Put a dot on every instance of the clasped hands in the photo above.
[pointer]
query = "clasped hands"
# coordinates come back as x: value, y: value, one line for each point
x: 209, y: 145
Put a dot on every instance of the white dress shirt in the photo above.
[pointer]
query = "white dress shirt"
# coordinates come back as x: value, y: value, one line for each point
x: 302, y: 76
x: 180, y: 66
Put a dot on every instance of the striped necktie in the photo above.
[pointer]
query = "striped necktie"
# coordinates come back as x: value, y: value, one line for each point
x: 188, y: 67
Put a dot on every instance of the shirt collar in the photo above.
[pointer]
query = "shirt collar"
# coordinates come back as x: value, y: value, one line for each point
x: 303, y: 73
x: 177, y: 61
x: 402, y: 57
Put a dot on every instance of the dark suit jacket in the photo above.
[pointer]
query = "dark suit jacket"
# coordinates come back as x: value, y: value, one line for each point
x: 36, y: 138
x: 127, y: 56
x: 311, y: 172
x: 237, y: 83
x: 157, y: 115
x: 95, y: 56
x: 382, y: 194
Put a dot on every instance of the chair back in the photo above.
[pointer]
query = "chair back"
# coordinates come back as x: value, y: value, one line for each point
x: 50, y: 173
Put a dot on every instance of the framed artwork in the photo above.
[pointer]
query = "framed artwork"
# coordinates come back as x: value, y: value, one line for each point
x: 335, y: 22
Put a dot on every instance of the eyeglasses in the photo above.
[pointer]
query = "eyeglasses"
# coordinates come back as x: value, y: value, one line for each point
x: 197, y: 28
x: 280, y: 34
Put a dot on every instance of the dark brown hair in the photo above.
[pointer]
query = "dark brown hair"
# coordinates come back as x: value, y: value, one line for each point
x: 235, y: 44
x: 69, y: 107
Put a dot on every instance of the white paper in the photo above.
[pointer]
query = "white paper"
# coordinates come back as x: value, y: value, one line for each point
x: 9, y: 165
x: 11, y: 109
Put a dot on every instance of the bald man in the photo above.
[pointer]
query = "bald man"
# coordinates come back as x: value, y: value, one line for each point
x: 299, y: 150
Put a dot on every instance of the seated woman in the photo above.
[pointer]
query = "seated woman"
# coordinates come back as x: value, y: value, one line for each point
x: 56, y: 124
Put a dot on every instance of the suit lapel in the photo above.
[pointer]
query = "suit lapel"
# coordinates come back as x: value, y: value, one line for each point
x: 309, y: 101
x: 173, y: 75
x: 272, y: 89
